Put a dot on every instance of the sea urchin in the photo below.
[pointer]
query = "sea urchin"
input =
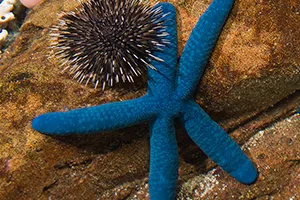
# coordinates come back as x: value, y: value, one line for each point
x: 108, y: 41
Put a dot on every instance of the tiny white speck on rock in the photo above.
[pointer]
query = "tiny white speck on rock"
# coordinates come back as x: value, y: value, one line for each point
x: 199, y: 186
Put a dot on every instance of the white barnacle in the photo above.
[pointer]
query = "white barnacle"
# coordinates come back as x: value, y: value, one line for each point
x: 3, y: 35
x: 6, y: 6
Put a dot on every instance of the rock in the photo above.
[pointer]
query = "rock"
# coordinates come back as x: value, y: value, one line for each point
x: 275, y: 151
x: 256, y: 63
x: 248, y: 73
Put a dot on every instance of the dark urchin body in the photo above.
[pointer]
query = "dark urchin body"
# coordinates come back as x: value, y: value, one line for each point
x: 107, y: 41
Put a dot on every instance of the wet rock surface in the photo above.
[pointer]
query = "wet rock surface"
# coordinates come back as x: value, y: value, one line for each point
x: 250, y: 84
x: 275, y: 151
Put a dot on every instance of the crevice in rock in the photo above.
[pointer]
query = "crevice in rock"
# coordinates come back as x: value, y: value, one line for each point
x: 279, y: 111
x: 49, y: 186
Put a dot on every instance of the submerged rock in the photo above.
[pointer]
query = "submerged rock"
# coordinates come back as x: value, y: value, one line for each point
x: 275, y: 151
x: 255, y: 65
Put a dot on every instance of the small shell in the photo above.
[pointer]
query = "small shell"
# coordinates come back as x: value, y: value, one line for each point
x: 3, y: 35
x: 6, y: 18
x: 6, y: 6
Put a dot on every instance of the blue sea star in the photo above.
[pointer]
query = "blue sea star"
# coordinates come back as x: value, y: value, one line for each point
x: 169, y: 96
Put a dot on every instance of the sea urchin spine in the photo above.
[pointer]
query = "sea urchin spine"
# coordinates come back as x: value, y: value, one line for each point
x: 108, y: 41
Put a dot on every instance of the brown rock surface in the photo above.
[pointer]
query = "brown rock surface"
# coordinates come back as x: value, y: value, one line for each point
x: 275, y: 151
x: 255, y: 65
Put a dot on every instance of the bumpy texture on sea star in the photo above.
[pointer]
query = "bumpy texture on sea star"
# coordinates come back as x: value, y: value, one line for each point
x: 169, y: 96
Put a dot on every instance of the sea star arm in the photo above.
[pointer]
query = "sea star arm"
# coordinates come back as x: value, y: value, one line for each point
x: 200, y: 45
x: 162, y: 80
x: 163, y: 147
x: 217, y: 144
x: 97, y: 118
x: 163, y: 159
